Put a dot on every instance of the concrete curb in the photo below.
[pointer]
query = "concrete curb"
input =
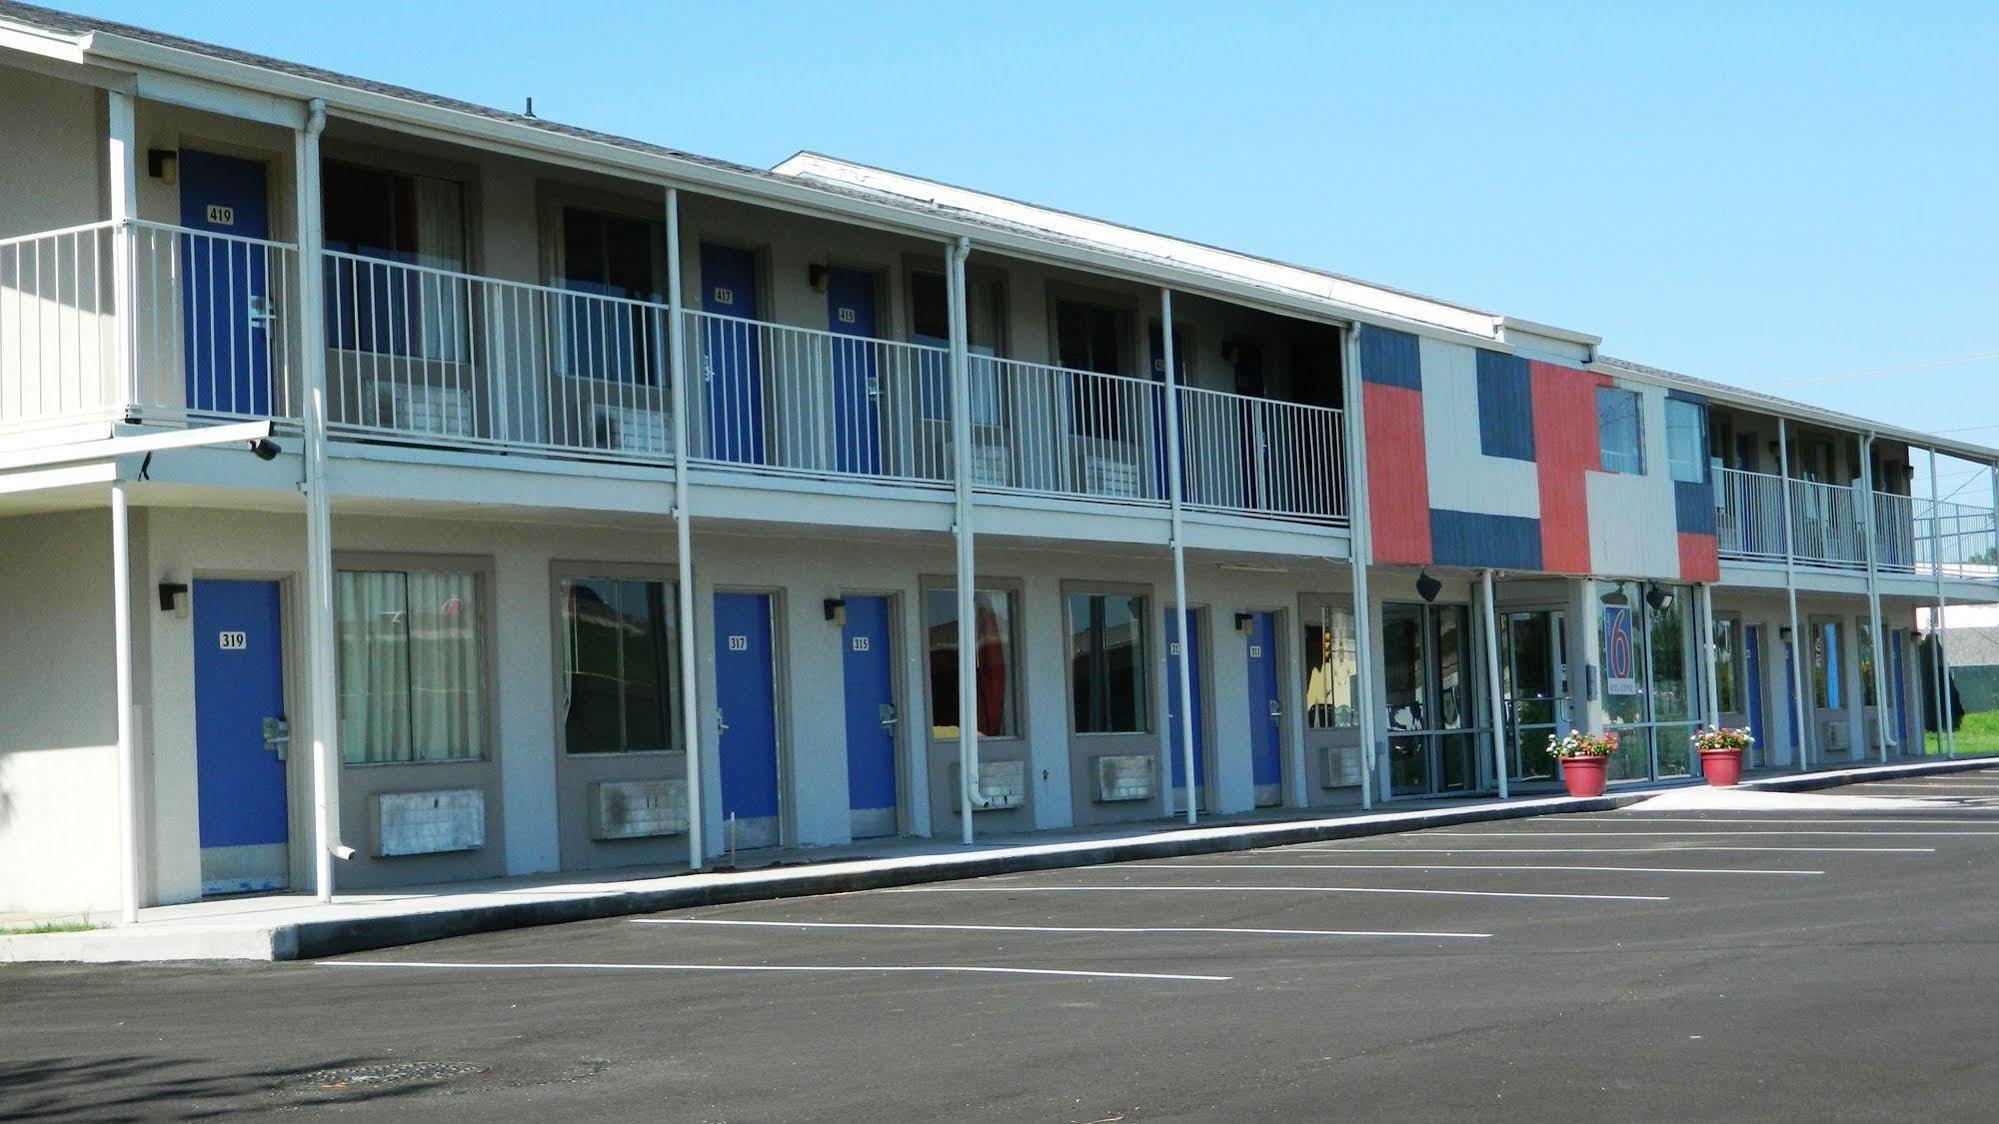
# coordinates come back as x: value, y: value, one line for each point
x: 1806, y: 782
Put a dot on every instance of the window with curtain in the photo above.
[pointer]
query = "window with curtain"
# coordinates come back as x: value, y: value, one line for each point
x: 610, y: 255
x: 930, y: 324
x: 1728, y: 665
x: 1686, y: 440
x: 411, y: 673
x: 1091, y: 337
x: 394, y: 220
x: 1865, y: 633
x: 1332, y: 668
x: 996, y: 673
x: 1620, y: 431
x: 1107, y: 662
x: 618, y: 665
x: 1825, y: 666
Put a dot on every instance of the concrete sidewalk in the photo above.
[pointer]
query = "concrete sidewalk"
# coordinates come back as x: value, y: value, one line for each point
x: 294, y: 926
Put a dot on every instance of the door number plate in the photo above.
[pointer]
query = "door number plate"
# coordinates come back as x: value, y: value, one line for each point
x: 219, y: 215
x: 861, y: 643
x: 846, y: 316
x: 724, y: 296
x: 235, y: 641
x: 739, y: 643
x: 1256, y: 651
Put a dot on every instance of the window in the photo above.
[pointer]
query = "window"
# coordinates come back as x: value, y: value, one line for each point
x: 1107, y: 662
x: 1651, y: 682
x: 1865, y: 635
x: 1332, y: 668
x: 419, y: 220
x: 1825, y: 666
x: 618, y: 665
x: 1091, y: 337
x: 930, y: 320
x: 411, y: 673
x: 1727, y: 665
x: 993, y: 613
x: 394, y: 220
x: 1686, y: 440
x: 1620, y: 431
x: 612, y: 256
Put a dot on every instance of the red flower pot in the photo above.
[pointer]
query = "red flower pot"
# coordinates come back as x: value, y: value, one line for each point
x: 1722, y: 767
x: 1585, y: 776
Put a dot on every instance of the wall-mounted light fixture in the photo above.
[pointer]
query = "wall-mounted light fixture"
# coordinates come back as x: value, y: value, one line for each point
x: 836, y: 611
x: 1244, y: 622
x: 815, y: 274
x: 163, y: 164
x: 1616, y: 595
x: 1658, y: 598
x: 173, y: 599
x: 1784, y: 633
x: 266, y: 449
x: 1428, y: 587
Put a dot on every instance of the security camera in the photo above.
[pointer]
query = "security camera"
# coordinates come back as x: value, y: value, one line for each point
x: 266, y: 449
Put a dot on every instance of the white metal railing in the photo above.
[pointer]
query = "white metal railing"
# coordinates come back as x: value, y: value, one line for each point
x: 1055, y: 431
x: 1956, y: 540
x: 772, y: 398
x: 1749, y: 515
x: 213, y: 329
x: 1828, y: 529
x: 457, y: 359
x: 1825, y: 525
x: 1260, y: 455
x: 57, y: 325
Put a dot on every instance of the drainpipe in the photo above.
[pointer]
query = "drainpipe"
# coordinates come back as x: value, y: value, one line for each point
x: 321, y: 661
x: 1173, y: 490
x: 683, y: 538
x: 961, y: 469
x: 1791, y: 594
x: 120, y: 129
x: 1492, y: 681
x: 1875, y: 639
x: 1946, y: 737
x: 1360, y: 550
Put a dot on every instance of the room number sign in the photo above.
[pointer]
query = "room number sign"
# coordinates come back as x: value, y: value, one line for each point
x: 234, y: 641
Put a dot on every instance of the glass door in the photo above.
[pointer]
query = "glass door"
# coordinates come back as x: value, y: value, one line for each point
x: 1534, y: 669
x: 1432, y: 728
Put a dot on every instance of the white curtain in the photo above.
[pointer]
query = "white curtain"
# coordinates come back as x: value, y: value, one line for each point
x: 447, y: 703
x: 440, y: 244
x: 373, y: 667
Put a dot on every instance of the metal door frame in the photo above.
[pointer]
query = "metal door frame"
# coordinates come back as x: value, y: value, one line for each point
x: 780, y: 702
x: 906, y: 773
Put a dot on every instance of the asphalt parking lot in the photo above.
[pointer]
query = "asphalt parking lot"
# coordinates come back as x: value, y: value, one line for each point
x: 1805, y: 964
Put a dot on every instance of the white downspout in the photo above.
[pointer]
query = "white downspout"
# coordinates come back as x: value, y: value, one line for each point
x: 967, y: 570
x: 1946, y: 737
x: 683, y: 538
x: 1361, y: 551
x: 1798, y: 637
x: 1875, y: 639
x: 1497, y: 705
x: 321, y: 661
x: 121, y: 129
x: 1709, y: 684
x: 1179, y: 550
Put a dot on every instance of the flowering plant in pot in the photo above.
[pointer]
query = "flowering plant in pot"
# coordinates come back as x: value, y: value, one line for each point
x: 1721, y: 753
x: 1585, y: 760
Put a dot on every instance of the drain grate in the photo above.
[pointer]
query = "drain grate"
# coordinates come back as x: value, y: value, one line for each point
x: 360, y: 1077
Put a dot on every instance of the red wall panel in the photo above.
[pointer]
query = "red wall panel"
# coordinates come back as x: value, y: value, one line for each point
x: 1699, y: 561
x: 1565, y: 447
x: 1398, y: 479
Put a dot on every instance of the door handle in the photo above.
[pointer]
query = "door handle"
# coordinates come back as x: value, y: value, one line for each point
x: 888, y: 715
x: 721, y: 724
x: 1276, y: 710
x: 261, y: 311
x: 277, y: 736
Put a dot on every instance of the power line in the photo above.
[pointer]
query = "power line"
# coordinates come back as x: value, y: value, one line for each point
x: 1883, y: 372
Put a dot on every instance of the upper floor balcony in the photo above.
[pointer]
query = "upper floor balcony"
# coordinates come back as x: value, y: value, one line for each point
x: 1828, y: 527
x: 447, y: 359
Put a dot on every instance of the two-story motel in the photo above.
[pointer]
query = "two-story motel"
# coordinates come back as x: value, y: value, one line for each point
x: 394, y: 490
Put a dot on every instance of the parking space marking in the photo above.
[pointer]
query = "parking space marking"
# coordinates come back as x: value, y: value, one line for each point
x: 1654, y: 849
x: 937, y: 969
x: 1828, y: 819
x: 1474, y: 866
x: 1272, y: 890
x: 1118, y: 929
x: 1671, y: 834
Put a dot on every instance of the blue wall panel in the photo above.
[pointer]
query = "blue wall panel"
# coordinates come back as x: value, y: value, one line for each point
x: 1390, y: 358
x: 1505, y: 406
x: 1471, y: 538
x: 1693, y: 508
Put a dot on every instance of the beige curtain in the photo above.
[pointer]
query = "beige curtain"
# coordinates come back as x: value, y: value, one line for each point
x: 373, y: 667
x: 447, y: 703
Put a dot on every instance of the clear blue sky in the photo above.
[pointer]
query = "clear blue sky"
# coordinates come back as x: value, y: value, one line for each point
x: 1755, y: 193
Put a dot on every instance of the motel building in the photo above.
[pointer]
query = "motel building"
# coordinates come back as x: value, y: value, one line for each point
x: 397, y: 491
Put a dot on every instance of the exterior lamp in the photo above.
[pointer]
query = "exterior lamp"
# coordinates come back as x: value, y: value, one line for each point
x: 1428, y: 587
x: 1616, y: 595
x: 1657, y: 598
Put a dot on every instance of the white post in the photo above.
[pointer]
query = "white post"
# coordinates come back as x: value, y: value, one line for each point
x: 1875, y: 640
x: 1498, y: 707
x: 1360, y: 552
x: 1798, y: 724
x: 1179, y: 549
x: 121, y: 129
x: 683, y: 537
x: 128, y: 755
x: 321, y: 662
x: 1708, y: 678
x: 1946, y: 737
x: 967, y: 571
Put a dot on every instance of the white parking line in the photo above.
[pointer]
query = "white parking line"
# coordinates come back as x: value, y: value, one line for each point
x: 1655, y: 849
x: 944, y: 969
x: 1813, y: 819
x: 1120, y: 929
x: 1670, y: 834
x: 1270, y: 890
x: 1473, y: 866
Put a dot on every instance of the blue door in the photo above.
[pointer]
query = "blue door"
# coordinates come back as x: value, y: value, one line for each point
x: 239, y: 736
x: 1752, y: 648
x: 746, y: 706
x: 866, y: 656
x: 850, y: 316
x: 1266, y: 711
x: 1192, y: 630
x: 226, y: 313
x: 732, y: 350
x: 1897, y: 640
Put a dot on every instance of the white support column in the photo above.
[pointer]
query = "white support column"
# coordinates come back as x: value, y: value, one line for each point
x: 1802, y: 730
x: 1361, y: 553
x: 1876, y: 641
x: 128, y: 750
x: 121, y: 130
x: 967, y: 569
x: 1179, y: 550
x: 683, y: 539
x: 322, y: 699
x: 1946, y: 737
x: 1497, y: 704
x: 1708, y: 683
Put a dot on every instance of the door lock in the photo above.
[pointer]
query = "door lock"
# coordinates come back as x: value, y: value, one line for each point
x: 277, y: 736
